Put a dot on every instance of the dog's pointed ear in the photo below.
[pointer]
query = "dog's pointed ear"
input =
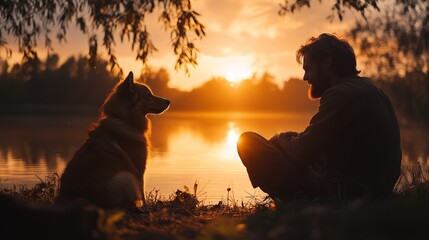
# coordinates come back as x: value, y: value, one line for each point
x: 127, y: 86
x: 129, y: 81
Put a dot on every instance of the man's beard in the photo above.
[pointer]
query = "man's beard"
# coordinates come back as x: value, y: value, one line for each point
x: 317, y: 89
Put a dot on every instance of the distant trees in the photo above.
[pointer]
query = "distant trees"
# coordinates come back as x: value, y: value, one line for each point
x: 46, y: 83
x: 253, y: 94
x: 158, y: 82
x: 74, y: 83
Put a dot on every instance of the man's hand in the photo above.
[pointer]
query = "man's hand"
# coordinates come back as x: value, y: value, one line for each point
x: 281, y: 140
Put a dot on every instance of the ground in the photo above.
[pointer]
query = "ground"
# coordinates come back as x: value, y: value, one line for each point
x: 404, y: 215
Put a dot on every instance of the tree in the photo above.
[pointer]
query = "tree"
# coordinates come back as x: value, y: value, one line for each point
x: 394, y: 47
x: 28, y: 20
x: 339, y: 7
x: 396, y: 39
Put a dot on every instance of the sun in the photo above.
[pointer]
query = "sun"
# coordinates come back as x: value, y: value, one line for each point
x: 236, y: 68
x: 235, y: 76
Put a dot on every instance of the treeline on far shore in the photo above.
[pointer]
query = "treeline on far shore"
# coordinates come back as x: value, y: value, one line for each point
x: 75, y: 87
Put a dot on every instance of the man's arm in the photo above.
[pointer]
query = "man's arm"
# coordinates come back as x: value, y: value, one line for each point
x: 285, y: 142
x: 335, y: 112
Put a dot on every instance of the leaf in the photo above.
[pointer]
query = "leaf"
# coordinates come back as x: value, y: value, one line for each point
x: 26, y: 20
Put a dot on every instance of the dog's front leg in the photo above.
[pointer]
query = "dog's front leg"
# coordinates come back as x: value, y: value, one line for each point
x: 143, y: 198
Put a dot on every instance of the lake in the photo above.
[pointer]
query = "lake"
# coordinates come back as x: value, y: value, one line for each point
x: 186, y: 148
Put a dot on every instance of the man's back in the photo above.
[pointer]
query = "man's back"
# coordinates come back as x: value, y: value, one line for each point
x: 355, y: 136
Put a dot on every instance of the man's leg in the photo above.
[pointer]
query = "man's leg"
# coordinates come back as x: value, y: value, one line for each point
x: 268, y: 168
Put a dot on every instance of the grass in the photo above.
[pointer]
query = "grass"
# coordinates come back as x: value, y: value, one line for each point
x: 404, y: 215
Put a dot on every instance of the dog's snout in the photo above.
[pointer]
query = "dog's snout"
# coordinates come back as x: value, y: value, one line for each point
x: 167, y: 103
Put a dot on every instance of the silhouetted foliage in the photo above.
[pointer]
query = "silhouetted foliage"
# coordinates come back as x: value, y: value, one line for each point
x: 394, y: 47
x: 395, y: 41
x: 338, y: 8
x: 28, y: 20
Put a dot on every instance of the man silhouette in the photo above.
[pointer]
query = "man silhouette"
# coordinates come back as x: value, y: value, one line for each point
x: 351, y: 147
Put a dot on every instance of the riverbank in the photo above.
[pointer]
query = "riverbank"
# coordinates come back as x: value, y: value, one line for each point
x: 404, y: 215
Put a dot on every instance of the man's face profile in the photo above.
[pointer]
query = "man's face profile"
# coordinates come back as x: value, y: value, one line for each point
x: 316, y: 76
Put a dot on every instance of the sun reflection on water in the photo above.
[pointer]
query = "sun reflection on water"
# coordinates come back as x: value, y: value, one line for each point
x: 232, y: 134
x: 229, y: 147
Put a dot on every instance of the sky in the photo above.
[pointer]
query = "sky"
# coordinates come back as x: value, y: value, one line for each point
x: 243, y: 37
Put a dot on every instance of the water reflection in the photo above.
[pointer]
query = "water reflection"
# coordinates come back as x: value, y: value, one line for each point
x: 186, y: 147
x: 31, y: 146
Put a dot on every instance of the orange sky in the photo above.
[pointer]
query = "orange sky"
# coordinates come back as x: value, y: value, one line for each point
x: 242, y: 37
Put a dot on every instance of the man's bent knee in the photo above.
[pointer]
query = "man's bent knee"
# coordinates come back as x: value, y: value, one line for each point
x: 254, y: 143
x: 247, y: 138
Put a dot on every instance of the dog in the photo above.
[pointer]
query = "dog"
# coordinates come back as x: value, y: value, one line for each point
x: 108, y: 169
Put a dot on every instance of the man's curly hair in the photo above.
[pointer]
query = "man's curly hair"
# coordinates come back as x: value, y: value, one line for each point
x: 330, y: 45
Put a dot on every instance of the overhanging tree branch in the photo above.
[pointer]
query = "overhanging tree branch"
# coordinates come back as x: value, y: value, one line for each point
x: 27, y: 21
x: 338, y: 7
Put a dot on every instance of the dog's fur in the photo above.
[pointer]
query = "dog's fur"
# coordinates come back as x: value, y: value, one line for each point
x: 108, y: 169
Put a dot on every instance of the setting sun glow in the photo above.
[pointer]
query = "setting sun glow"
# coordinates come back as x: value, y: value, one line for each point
x: 237, y: 75
x: 236, y: 68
